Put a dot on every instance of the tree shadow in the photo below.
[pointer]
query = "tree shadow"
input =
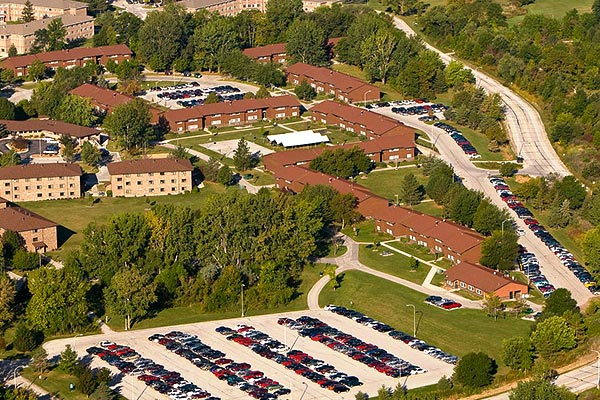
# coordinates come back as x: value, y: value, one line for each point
x: 420, y: 313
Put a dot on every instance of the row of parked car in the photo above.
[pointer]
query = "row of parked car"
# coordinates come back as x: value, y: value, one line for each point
x: 179, y: 86
x: 413, y: 342
x: 166, y: 382
x: 313, y: 369
x: 566, y: 258
x: 460, y: 140
x: 443, y: 303
x: 419, y: 109
x: 353, y: 347
x: 531, y: 268
x: 194, y: 91
x: 222, y: 98
x: 239, y: 375
x: 383, y: 104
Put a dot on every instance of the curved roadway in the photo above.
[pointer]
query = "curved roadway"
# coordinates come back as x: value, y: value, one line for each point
x: 525, y: 126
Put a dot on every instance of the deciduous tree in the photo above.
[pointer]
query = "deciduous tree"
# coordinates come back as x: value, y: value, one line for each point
x: 517, y: 353
x: 306, y: 42
x: 77, y: 110
x: 7, y: 109
x: 493, y: 306
x: 540, y: 389
x: 305, y: 92
x: 377, y: 51
x: 553, y: 335
x: 500, y: 250
x: 7, y: 297
x: 129, y: 124
x: 475, y: 370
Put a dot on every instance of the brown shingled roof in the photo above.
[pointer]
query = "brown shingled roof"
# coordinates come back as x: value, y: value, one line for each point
x: 148, y: 165
x: 39, y: 171
x: 66, y: 55
x: 265, y: 51
x: 18, y: 219
x: 342, y: 81
x: 58, y: 127
x: 480, y: 277
x: 104, y: 96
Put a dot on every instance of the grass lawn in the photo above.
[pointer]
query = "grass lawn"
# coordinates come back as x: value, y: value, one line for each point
x: 438, y: 279
x: 55, y: 382
x: 554, y: 8
x: 366, y: 232
x: 430, y: 208
x: 414, y: 249
x: 75, y: 214
x: 301, y: 125
x: 395, y: 264
x: 387, y: 92
x: 480, y: 142
x: 458, y: 332
x: 387, y: 183
x: 261, y: 178
x: 493, y: 164
x: 186, y: 315
x: 443, y: 263
x: 338, y: 135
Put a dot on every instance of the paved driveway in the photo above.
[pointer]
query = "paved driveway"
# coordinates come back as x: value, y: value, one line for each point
x: 130, y: 387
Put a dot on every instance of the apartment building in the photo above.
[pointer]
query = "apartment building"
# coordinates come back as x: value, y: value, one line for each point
x: 35, y: 182
x: 69, y: 58
x: 329, y: 82
x: 38, y: 233
x: 12, y: 10
x: 150, y: 177
x: 51, y: 128
x: 22, y: 36
x: 224, y: 7
x: 232, y: 113
x: 483, y: 281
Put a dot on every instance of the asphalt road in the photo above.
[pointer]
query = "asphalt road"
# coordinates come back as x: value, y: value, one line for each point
x: 526, y: 130
x: 476, y: 178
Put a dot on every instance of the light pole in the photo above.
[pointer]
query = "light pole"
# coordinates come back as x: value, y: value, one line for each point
x: 414, y: 319
x: 365, y: 96
x: 396, y: 199
x: 15, y: 375
x: 598, y: 368
x: 243, y: 286
x: 304, y: 392
x: 502, y: 226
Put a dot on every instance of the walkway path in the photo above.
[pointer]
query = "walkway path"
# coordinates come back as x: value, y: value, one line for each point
x: 349, y: 261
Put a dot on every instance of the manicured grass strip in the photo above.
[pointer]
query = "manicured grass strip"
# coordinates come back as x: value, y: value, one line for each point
x: 394, y: 263
x: 414, y: 249
x: 458, y: 332
x: 430, y: 208
x: 388, y: 183
x: 366, y: 232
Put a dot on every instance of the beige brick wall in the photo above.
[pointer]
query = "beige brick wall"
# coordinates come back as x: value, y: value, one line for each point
x: 46, y: 235
x: 36, y: 189
x: 155, y: 184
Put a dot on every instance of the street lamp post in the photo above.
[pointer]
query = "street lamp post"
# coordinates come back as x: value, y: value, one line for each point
x: 396, y: 199
x: 243, y: 286
x: 15, y: 375
x: 414, y: 319
x: 598, y: 369
x: 304, y: 392
x: 502, y: 226
x: 365, y: 96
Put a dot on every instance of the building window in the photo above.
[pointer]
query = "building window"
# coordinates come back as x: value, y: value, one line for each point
x: 35, y: 239
x: 462, y: 284
x: 7, y: 192
x: 139, y: 183
x: 39, y: 195
x: 119, y: 179
x: 478, y: 291
x: 162, y: 189
x: 7, y: 184
x: 470, y: 288
x: 62, y: 194
x: 162, y: 181
x: 119, y: 187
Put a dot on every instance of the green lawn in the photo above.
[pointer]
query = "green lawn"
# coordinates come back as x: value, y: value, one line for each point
x: 554, y: 8
x: 458, y: 332
x: 366, y: 232
x: 186, y: 315
x: 480, y: 142
x: 55, y: 382
x: 394, y: 263
x: 414, y: 249
x: 387, y: 183
x: 76, y: 214
x: 430, y: 208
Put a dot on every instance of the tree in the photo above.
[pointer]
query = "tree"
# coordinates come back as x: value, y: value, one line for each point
x: 591, y: 249
x: 306, y: 42
x: 161, y: 37
x: 263, y: 93
x: 571, y: 189
x: 489, y: 218
x: 24, y: 260
x: 342, y: 162
x: 3, y: 131
x: 129, y: 124
x: 130, y: 294
x: 212, y: 98
x: 517, y: 353
x: 7, y: 75
x: 500, y: 250
x: 11, y: 157
x: 213, y: 41
x: 475, y: 370
x: 457, y: 75
x: 493, y: 306
x: 7, y: 298
x: 279, y: 16
x: 225, y: 176
x: 411, y: 192
x: 7, y: 109
x: 211, y: 169
x: 540, y: 389
x: 27, y: 14
x: 90, y: 154
x: 507, y: 169
x: 103, y: 392
x: 26, y: 339
x: 85, y: 380
x: 77, y: 110
x: 378, y: 51
x: 180, y: 153
x: 242, y: 157
x: 68, y: 148
x: 559, y: 302
x: 39, y: 360
x: 441, y: 178
x: 56, y: 35
x: 68, y: 360
x: 304, y: 91
x: 37, y: 71
x: 58, y: 300
x: 552, y: 335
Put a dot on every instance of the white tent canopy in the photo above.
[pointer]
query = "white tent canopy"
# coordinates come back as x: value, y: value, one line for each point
x: 300, y: 138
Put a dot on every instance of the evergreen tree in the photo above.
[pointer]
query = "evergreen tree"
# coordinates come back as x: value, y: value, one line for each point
x: 304, y: 91
x: 90, y: 154
x: 411, y: 192
x: 225, y: 177
x: 263, y: 93
x: 12, y: 51
x: 68, y: 360
x: 27, y: 15
x: 242, y: 158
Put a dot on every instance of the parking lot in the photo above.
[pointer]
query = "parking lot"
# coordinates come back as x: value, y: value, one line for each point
x: 372, y: 379
x: 39, y: 149
x: 227, y: 148
x: 194, y: 92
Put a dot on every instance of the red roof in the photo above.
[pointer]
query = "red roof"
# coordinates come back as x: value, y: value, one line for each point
x: 78, y: 53
x: 265, y: 51
x: 377, y: 123
x: 341, y: 81
x: 480, y: 277
x: 100, y: 95
x: 238, y: 106
x: 57, y: 127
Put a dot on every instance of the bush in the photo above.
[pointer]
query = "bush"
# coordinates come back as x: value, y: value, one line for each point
x: 26, y: 339
x: 475, y: 370
x: 25, y: 260
x: 508, y: 169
